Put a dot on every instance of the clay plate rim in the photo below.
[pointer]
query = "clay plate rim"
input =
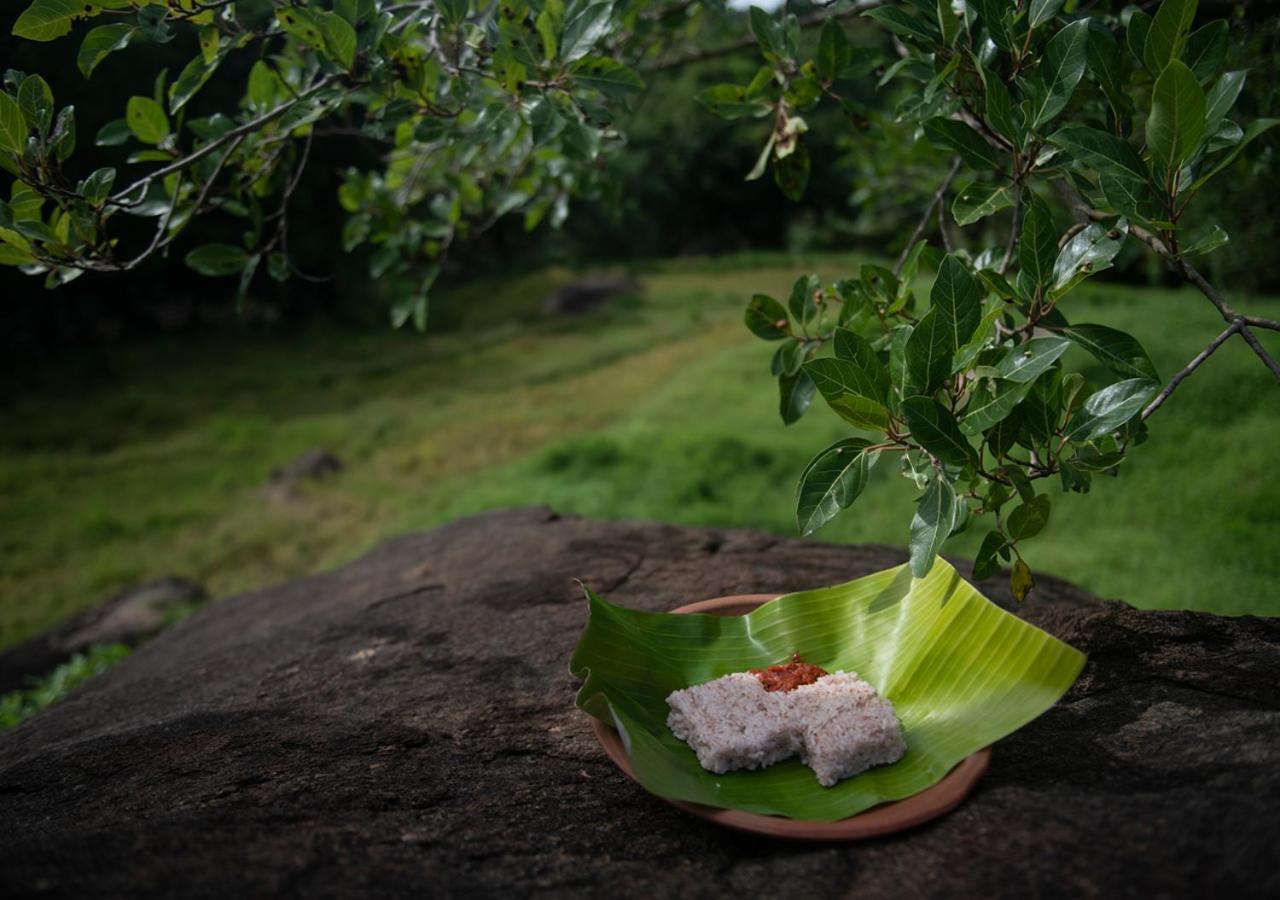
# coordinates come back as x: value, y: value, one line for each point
x: 887, y: 818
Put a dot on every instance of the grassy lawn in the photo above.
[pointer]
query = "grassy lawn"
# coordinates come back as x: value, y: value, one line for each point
x: 659, y: 407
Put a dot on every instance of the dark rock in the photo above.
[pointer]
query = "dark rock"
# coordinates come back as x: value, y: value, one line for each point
x: 589, y: 293
x: 405, y: 726
x: 129, y: 617
x: 314, y: 465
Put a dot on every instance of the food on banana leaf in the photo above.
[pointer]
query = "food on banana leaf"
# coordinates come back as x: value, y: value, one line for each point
x: 836, y: 723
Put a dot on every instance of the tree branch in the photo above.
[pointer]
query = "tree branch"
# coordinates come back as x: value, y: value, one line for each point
x: 1191, y: 367
x: 807, y: 21
x: 924, y: 220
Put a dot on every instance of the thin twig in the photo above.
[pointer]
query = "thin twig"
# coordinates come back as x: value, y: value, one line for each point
x: 1191, y: 367
x: 924, y: 220
x: 1267, y: 359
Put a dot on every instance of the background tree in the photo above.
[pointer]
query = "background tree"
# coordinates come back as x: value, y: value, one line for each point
x: 484, y: 112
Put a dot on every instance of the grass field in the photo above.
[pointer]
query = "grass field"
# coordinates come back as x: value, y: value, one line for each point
x: 658, y: 407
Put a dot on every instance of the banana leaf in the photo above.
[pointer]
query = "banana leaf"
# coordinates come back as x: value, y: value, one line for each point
x: 961, y: 673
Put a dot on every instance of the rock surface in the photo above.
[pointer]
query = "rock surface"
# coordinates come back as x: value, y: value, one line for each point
x: 129, y: 617
x: 405, y: 726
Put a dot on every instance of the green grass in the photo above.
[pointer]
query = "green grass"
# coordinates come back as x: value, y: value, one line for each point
x: 659, y: 407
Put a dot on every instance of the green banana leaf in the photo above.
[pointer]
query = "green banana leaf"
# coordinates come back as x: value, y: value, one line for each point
x: 961, y: 673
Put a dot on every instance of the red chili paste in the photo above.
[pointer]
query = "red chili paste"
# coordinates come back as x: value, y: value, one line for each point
x: 790, y: 676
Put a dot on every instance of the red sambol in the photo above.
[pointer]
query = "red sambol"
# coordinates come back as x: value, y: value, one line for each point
x: 790, y: 676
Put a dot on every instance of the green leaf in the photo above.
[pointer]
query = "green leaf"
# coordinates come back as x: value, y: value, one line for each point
x: 906, y: 24
x: 1100, y: 150
x: 1109, y: 408
x: 987, y: 562
x: 994, y: 15
x: 1042, y: 11
x: 999, y: 106
x: 113, y: 134
x: 608, y: 76
x: 1221, y: 97
x: 729, y: 101
x: 303, y: 24
x: 339, y: 37
x: 46, y: 20
x: 1206, y: 241
x: 851, y: 347
x: 1029, y: 519
x: 97, y: 187
x: 1255, y: 128
x: 99, y: 43
x: 936, y: 430
x: 1059, y: 72
x: 583, y: 28
x: 1106, y: 63
x: 1089, y: 251
x: 147, y: 120
x: 956, y: 310
x: 795, y: 396
x: 1026, y: 362
x: 35, y: 99
x: 992, y: 402
x: 831, y: 482
x: 192, y: 78
x: 948, y: 22
x: 217, y: 259
x: 13, y: 127
x: 766, y: 318
x: 935, y: 515
x: 854, y: 395
x: 962, y: 139
x: 1177, y: 120
x: 1135, y: 35
x: 1167, y: 34
x: 1038, y: 245
x: 1206, y: 50
x: 977, y: 201
x: 1001, y: 673
x: 802, y: 302
x: 835, y: 53
x: 900, y: 380
x: 1020, y: 580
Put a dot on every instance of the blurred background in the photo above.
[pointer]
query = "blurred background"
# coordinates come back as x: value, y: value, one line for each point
x: 151, y: 427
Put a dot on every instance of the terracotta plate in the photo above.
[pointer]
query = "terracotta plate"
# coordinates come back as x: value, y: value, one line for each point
x: 886, y: 818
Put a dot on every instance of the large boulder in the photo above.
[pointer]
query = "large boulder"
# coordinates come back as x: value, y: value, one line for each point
x: 405, y: 726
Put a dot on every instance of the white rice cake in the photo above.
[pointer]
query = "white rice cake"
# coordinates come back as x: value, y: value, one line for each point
x: 838, y: 725
x: 845, y: 727
x: 733, y: 723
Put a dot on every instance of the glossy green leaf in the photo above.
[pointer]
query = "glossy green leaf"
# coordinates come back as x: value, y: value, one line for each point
x: 1088, y: 252
x: 1100, y: 150
x: 935, y: 429
x: 802, y: 303
x: 584, y: 28
x: 1109, y: 408
x: 791, y: 172
x: 1177, y: 120
x: 1026, y: 362
x: 1167, y: 34
x: 1059, y: 72
x: 987, y: 562
x: 101, y: 42
x: 907, y: 24
x: 895, y: 632
x: 1221, y: 97
x: 766, y: 318
x: 854, y: 349
x: 190, y: 80
x: 1038, y: 245
x: 831, y: 482
x: 1135, y: 35
x: 962, y: 139
x: 1042, y: 11
x: 1020, y: 580
x: 339, y: 37
x: 1118, y: 351
x: 47, y: 20
x: 1029, y: 519
x: 35, y: 99
x: 854, y: 395
x: 1206, y: 50
x: 934, y: 517
x: 13, y: 127
x: 795, y: 395
x: 977, y: 201
x: 1256, y: 128
x: 994, y: 14
x: 991, y: 403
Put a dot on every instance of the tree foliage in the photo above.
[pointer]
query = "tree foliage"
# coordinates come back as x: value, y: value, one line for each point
x: 1111, y: 122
